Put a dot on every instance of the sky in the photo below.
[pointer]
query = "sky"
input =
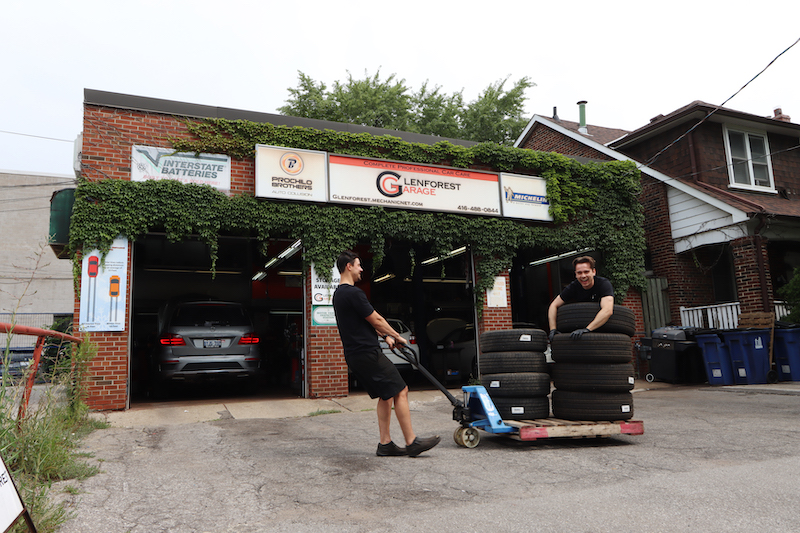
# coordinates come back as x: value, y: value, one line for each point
x: 631, y: 60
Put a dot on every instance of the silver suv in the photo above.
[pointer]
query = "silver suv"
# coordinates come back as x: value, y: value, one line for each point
x: 411, y: 342
x: 207, y: 340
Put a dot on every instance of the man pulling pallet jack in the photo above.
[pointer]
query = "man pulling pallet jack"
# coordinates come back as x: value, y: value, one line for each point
x: 358, y: 321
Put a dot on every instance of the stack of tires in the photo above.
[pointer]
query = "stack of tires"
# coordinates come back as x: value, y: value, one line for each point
x: 593, y: 375
x: 514, y: 372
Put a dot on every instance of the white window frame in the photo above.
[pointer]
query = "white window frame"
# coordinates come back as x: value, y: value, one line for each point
x: 729, y: 159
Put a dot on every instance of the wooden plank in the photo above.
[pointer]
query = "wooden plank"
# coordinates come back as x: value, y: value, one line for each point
x: 557, y: 428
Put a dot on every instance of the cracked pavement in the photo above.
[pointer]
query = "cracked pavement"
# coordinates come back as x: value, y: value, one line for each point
x: 709, y: 460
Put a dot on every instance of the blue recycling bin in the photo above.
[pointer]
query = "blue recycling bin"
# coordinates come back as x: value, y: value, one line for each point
x: 716, y: 358
x: 749, y: 349
x: 787, y: 354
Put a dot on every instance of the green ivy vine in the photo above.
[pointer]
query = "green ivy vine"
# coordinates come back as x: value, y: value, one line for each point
x: 594, y: 205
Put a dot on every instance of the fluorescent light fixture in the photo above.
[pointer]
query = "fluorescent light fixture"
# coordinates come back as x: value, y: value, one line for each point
x: 448, y: 255
x: 559, y: 256
x: 291, y: 250
x: 289, y: 273
x: 385, y: 277
x: 444, y: 280
x: 259, y: 276
x: 280, y: 258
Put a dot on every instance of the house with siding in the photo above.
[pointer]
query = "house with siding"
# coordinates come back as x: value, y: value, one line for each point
x: 721, y: 195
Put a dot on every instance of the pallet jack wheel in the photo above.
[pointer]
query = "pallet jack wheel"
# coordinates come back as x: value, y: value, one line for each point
x: 467, y: 437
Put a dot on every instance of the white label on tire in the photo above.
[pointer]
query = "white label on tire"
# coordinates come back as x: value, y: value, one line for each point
x: 626, y: 408
x: 525, y: 338
x: 494, y: 384
x: 517, y: 410
x: 631, y: 380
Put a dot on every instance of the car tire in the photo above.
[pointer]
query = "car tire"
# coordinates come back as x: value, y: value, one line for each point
x: 592, y: 347
x: 580, y: 314
x: 529, y: 408
x: 520, y: 384
x: 570, y: 405
x: 593, y: 377
x: 505, y: 362
x: 514, y: 340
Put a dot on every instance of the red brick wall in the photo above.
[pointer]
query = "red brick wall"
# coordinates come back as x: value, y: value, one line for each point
x: 497, y: 318
x: 544, y: 139
x: 326, y: 369
x: 107, y: 373
x: 747, y: 271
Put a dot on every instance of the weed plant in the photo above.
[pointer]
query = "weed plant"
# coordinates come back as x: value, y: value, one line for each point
x: 41, y: 448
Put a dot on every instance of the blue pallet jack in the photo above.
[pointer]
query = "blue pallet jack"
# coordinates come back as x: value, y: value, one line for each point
x: 478, y: 412
x: 475, y: 411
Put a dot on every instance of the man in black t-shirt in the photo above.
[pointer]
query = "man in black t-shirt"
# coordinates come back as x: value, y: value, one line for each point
x: 358, y: 323
x: 587, y: 287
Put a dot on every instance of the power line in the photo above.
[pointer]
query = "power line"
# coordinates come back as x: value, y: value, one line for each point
x: 36, y: 136
x: 670, y: 145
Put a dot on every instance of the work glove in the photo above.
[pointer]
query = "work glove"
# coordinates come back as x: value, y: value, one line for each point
x: 553, y: 333
x: 578, y: 332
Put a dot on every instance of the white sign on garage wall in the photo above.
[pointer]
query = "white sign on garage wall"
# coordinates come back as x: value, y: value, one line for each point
x: 355, y: 180
x: 153, y: 163
x: 525, y: 197
x: 291, y: 174
x: 104, y: 287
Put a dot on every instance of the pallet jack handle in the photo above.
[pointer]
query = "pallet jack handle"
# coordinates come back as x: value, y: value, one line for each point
x: 405, y: 353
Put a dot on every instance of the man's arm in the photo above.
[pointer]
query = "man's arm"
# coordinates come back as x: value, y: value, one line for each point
x: 552, y: 312
x: 383, y: 328
x: 602, y: 316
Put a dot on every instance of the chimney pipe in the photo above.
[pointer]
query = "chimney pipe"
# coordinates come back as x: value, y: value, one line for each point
x: 555, y: 114
x: 582, y: 125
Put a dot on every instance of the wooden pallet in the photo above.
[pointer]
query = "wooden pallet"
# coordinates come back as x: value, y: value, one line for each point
x: 548, y: 428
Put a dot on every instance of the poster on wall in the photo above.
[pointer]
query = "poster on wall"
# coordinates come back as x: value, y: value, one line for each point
x: 152, y: 163
x: 496, y: 296
x: 355, y: 180
x: 291, y: 174
x: 322, y: 313
x: 103, y: 288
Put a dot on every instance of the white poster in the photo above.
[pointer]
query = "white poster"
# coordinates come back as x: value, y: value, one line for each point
x: 354, y: 180
x: 496, y: 297
x: 103, y: 288
x: 291, y: 174
x: 321, y: 290
x: 525, y: 197
x: 152, y: 163
x: 10, y: 504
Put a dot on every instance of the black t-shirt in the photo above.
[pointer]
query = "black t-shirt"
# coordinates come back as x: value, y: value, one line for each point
x: 352, y: 309
x: 574, y: 292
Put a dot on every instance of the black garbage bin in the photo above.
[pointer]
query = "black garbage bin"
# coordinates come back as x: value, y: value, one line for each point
x: 675, y: 356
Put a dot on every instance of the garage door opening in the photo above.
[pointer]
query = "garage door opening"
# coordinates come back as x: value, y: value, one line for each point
x: 168, y: 276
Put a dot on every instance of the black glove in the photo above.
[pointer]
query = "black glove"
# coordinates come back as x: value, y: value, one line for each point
x: 578, y: 332
x: 553, y: 333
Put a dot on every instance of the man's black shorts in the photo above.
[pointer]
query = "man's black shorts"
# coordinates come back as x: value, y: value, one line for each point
x: 376, y: 374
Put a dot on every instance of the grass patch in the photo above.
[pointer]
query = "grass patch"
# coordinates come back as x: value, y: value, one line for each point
x: 324, y: 412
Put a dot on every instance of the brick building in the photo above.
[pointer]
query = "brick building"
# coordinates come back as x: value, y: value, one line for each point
x: 118, y: 129
x: 720, y: 190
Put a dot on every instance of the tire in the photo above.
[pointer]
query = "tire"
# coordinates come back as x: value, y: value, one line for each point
x: 597, y: 348
x: 578, y: 315
x: 593, y: 377
x: 504, y: 362
x: 514, y: 340
x: 517, y: 385
x: 522, y: 408
x: 570, y: 405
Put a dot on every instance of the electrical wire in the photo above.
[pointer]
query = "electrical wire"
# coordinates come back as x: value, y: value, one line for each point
x: 36, y: 136
x: 717, y: 108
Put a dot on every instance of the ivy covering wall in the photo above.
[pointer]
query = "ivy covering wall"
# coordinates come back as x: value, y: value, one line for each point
x: 593, y: 205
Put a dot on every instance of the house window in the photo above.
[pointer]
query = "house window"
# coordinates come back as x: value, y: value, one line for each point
x: 748, y: 160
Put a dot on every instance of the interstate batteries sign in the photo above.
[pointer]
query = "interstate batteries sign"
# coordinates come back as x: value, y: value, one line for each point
x: 152, y: 163
x: 291, y: 174
x: 353, y: 180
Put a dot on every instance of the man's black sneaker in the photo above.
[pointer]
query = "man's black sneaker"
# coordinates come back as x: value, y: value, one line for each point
x: 421, y: 445
x: 389, y: 450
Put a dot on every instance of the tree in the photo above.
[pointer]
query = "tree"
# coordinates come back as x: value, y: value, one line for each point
x: 791, y: 293
x: 495, y: 116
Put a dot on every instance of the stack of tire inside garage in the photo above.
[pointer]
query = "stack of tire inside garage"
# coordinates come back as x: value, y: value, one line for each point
x: 593, y: 375
x: 514, y: 372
